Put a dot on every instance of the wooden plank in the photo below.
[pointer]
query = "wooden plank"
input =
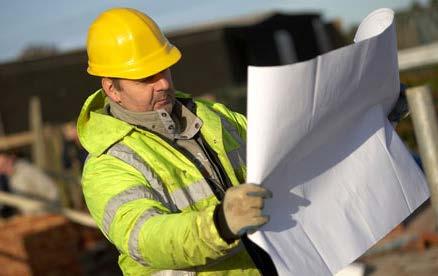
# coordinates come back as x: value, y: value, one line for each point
x: 16, y: 140
x: 423, y: 55
x: 24, y: 203
x: 21, y: 139
x: 36, y: 126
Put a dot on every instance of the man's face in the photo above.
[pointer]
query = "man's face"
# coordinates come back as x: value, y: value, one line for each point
x: 151, y: 93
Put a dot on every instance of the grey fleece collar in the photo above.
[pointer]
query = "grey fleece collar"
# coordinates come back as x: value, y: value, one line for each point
x: 180, y: 124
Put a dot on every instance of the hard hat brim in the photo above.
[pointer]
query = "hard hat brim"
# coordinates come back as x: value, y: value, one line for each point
x: 165, y: 58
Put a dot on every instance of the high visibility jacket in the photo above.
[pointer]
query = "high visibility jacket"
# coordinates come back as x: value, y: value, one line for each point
x: 152, y: 202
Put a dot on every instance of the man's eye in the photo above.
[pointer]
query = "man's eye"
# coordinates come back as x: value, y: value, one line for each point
x: 151, y: 78
x: 148, y: 79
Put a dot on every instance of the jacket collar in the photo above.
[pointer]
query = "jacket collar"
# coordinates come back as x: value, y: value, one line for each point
x: 98, y: 130
x: 180, y: 124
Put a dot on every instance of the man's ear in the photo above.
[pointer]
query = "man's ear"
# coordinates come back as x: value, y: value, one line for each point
x: 110, y: 89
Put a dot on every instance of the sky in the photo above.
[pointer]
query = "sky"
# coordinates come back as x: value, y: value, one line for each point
x: 64, y: 23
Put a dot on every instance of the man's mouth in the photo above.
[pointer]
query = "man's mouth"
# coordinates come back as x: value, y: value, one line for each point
x: 163, y: 101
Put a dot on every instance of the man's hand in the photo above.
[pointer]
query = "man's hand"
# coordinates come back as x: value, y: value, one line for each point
x: 241, y: 210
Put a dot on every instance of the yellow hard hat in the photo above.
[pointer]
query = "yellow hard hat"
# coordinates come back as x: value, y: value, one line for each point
x: 126, y: 43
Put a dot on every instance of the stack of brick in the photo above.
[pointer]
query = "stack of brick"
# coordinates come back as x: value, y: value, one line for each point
x: 39, y: 245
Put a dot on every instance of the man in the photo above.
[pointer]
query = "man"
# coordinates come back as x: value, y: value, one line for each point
x: 73, y: 154
x: 24, y: 178
x: 163, y: 173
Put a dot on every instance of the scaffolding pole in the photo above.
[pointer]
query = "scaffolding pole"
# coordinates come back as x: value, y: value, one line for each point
x: 424, y: 119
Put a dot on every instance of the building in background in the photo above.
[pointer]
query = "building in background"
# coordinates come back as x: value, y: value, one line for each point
x: 215, y: 56
x: 417, y: 26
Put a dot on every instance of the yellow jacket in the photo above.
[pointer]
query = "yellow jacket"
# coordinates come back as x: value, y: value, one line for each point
x: 152, y: 202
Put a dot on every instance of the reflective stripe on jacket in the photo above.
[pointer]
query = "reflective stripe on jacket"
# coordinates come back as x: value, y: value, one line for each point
x: 152, y: 202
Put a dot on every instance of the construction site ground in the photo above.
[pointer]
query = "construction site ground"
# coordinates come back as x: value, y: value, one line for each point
x: 52, y: 245
x: 411, y: 249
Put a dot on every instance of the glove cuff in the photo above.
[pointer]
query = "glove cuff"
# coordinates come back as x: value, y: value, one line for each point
x: 221, y: 225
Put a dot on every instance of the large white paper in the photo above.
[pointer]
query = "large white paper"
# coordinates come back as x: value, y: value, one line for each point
x: 318, y: 137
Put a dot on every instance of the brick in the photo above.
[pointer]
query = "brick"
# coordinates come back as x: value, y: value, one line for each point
x: 39, y: 245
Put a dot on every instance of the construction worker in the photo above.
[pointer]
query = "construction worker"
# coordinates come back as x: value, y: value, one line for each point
x: 164, y: 179
x: 164, y: 176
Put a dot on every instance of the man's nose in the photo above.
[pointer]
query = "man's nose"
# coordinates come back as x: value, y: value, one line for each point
x: 162, y: 83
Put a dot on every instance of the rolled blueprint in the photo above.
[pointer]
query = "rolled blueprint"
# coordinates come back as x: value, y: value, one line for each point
x: 319, y: 139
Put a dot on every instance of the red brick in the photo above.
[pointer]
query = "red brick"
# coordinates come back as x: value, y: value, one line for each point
x: 38, y: 245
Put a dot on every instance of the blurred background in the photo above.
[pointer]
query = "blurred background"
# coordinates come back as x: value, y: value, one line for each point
x: 44, y: 84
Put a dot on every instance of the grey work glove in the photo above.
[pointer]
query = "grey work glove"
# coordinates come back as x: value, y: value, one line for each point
x: 241, y: 211
x: 400, y: 110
